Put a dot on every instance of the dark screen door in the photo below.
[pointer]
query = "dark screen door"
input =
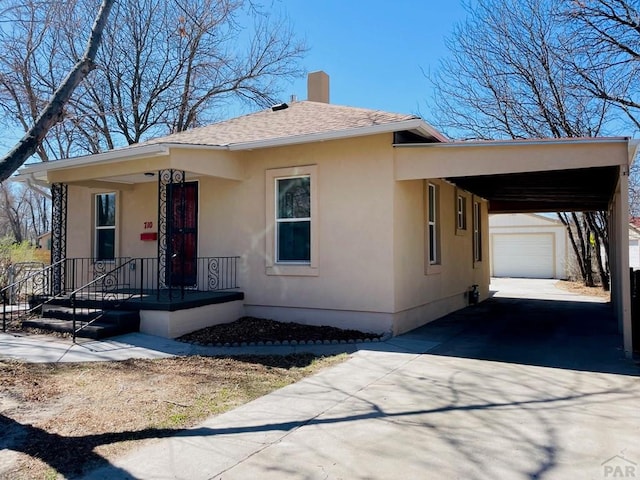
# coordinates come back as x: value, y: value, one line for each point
x: 184, y: 234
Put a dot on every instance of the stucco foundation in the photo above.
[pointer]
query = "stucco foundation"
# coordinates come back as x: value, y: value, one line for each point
x: 174, y: 324
x: 423, y: 314
x: 370, y: 322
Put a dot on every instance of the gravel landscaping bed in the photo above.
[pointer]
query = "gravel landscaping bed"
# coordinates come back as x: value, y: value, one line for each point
x: 260, y: 331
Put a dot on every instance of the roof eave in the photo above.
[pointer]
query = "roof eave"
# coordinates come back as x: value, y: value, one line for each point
x: 633, y: 145
x: 518, y: 142
x: 39, y: 171
x: 428, y: 130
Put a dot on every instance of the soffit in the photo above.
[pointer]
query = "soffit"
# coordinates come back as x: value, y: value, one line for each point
x: 584, y: 189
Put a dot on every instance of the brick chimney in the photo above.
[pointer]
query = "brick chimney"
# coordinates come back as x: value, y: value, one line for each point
x: 318, y: 87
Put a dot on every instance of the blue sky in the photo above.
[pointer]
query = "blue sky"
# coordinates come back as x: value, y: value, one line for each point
x: 374, y: 51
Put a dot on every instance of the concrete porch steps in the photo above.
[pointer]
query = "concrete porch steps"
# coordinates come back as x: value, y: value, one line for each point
x: 163, y: 313
x: 106, y: 323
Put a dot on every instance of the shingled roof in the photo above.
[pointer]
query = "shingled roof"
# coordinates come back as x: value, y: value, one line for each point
x: 299, y: 119
x: 296, y: 123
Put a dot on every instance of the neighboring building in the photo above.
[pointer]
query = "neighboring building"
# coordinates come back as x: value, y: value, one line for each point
x: 528, y: 245
x: 634, y: 243
x: 337, y: 215
x: 44, y: 241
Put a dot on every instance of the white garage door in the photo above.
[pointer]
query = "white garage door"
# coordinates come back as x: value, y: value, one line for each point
x: 527, y: 256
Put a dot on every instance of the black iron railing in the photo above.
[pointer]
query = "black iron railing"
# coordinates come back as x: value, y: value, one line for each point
x: 79, y: 272
x: 115, y: 281
x: 108, y: 290
x: 26, y: 295
x: 199, y: 274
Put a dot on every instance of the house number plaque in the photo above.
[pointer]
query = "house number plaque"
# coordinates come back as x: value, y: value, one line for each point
x: 148, y: 236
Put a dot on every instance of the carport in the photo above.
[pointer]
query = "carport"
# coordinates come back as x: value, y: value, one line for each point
x: 548, y: 175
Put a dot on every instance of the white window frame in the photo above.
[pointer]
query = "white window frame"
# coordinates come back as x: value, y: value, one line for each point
x: 461, y: 212
x: 477, y: 231
x: 113, y: 227
x: 272, y: 266
x: 279, y: 220
x: 432, y: 223
x: 433, y: 254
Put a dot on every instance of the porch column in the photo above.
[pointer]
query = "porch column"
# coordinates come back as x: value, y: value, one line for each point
x: 621, y: 228
x: 58, y: 235
x: 166, y: 223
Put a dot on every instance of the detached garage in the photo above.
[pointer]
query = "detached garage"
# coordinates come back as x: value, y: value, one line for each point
x: 527, y: 245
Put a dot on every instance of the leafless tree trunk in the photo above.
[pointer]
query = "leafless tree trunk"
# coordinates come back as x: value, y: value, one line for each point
x: 566, y: 221
x: 54, y: 110
x: 599, y: 224
x: 580, y: 238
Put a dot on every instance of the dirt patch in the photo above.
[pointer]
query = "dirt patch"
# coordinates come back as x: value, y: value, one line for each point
x: 577, y: 287
x: 61, y: 419
x: 254, y: 330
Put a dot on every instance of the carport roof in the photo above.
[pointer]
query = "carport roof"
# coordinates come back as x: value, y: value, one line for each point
x: 583, y: 189
x: 543, y: 175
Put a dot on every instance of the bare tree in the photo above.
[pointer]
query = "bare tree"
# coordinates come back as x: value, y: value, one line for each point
x: 519, y: 70
x: 505, y: 77
x: 53, y: 111
x: 606, y: 51
x: 163, y: 66
x: 598, y: 223
x: 24, y: 214
x: 11, y: 218
x: 634, y: 189
x: 588, y: 234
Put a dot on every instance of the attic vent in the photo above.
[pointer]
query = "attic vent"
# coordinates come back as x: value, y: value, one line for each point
x: 279, y: 106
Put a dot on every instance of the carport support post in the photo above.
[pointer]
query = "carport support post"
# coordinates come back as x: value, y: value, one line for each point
x: 621, y: 291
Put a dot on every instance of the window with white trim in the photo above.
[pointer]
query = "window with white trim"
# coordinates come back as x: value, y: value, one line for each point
x: 461, y: 212
x: 432, y: 224
x: 293, y: 219
x: 105, y: 226
x: 291, y: 214
x: 477, y: 232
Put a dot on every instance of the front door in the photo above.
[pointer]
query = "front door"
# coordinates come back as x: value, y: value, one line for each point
x: 183, y: 234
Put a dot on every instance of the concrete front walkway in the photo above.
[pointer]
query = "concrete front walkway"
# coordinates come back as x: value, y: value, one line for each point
x: 50, y: 349
x: 450, y: 400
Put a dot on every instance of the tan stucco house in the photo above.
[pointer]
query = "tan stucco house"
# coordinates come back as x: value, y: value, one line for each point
x: 320, y: 213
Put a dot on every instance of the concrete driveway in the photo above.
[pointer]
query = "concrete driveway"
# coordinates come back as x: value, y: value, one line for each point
x: 513, y: 388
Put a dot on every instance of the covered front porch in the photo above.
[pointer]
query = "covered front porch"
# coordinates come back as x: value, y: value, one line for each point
x: 129, y: 238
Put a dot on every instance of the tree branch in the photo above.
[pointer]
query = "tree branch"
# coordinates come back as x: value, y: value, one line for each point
x: 54, y: 111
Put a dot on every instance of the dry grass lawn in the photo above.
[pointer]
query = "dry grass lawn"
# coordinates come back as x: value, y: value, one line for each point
x: 578, y: 287
x: 58, y: 420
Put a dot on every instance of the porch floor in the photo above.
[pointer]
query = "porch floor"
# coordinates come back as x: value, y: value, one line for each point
x: 165, y: 300
x: 171, y: 300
